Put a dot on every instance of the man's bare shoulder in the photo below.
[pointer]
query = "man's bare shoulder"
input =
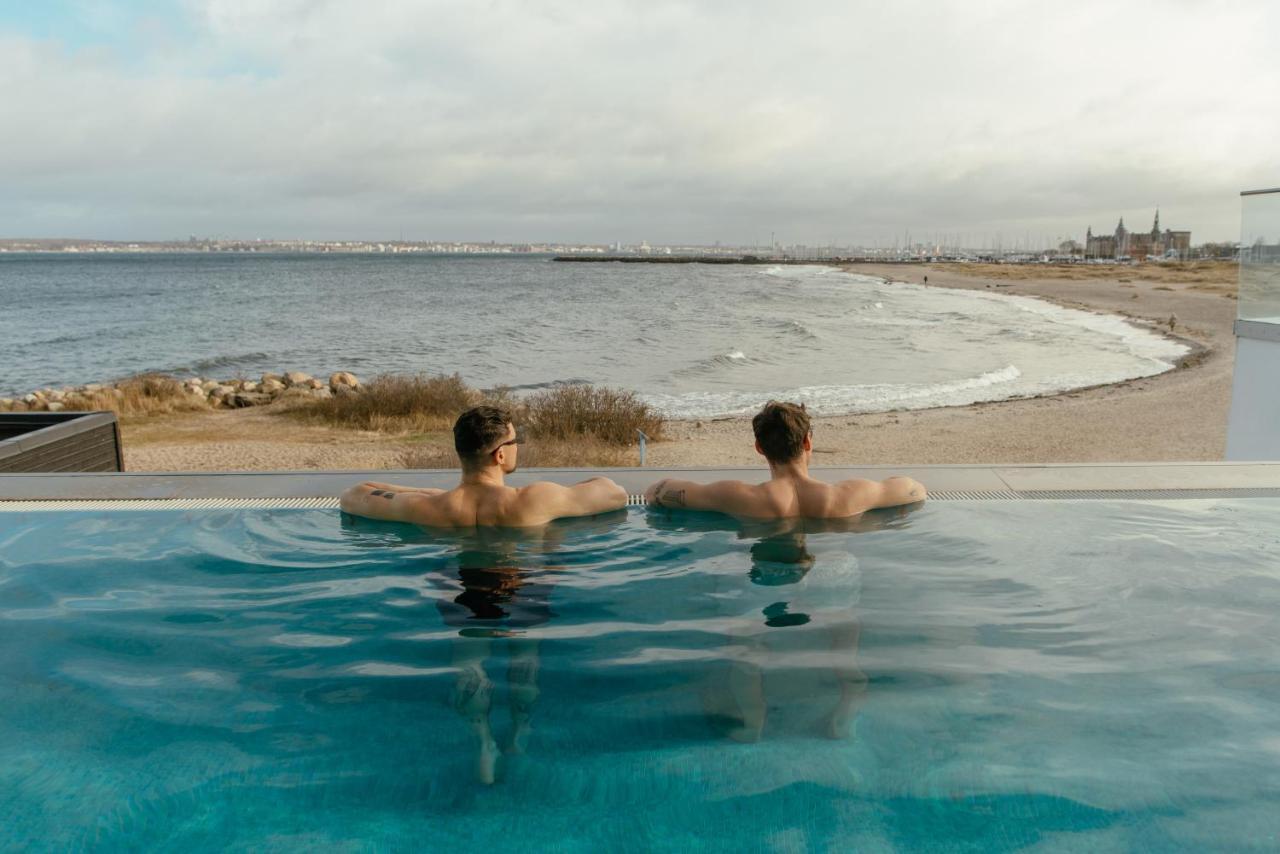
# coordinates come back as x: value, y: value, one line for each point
x: 859, y: 494
x: 544, y: 501
x: 533, y: 503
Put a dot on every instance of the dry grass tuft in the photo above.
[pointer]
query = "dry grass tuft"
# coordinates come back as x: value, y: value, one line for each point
x: 575, y: 412
x: 1211, y: 273
x: 393, y: 403
x: 137, y: 397
x: 567, y: 421
x: 536, y: 453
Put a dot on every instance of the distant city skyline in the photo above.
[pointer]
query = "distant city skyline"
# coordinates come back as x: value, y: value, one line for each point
x: 827, y: 123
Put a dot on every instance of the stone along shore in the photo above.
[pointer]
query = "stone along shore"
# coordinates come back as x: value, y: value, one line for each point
x: 217, y: 394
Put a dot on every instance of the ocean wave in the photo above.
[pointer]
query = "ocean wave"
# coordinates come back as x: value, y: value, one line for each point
x: 542, y: 386
x: 730, y: 360
x: 222, y: 362
x: 796, y: 271
x: 792, y: 328
x: 847, y: 399
x: 73, y: 338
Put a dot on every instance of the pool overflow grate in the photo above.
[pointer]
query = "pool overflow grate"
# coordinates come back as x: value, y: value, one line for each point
x: 971, y: 495
x: 634, y: 500
x: 1149, y: 494
x: 173, y: 504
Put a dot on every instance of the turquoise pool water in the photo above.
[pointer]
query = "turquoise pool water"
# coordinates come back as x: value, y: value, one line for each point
x: 991, y: 676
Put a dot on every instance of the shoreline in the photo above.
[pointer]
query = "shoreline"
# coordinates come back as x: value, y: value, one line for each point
x: 1178, y: 415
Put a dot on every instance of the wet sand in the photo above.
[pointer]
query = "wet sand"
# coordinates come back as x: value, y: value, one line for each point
x: 1179, y: 415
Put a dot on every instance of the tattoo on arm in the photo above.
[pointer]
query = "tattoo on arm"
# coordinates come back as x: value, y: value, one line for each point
x: 657, y: 493
x: 677, y: 497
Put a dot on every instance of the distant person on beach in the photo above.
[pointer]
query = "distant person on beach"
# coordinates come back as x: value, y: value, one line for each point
x: 487, y: 445
x: 785, y: 438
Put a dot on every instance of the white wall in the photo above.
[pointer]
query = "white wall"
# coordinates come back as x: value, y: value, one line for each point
x: 1253, y: 428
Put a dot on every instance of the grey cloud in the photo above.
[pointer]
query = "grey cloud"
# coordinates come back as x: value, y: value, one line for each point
x: 663, y: 121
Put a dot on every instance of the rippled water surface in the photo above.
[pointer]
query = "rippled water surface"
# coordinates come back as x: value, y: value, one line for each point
x: 695, y: 340
x: 971, y: 675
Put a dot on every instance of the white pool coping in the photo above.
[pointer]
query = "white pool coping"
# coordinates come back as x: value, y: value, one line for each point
x: 319, y: 489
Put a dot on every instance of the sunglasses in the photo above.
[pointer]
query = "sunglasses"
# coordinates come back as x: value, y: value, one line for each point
x: 518, y: 440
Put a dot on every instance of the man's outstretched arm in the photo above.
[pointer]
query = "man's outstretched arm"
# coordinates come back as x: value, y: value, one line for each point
x: 384, y: 501
x: 423, y: 490
x: 890, y: 492
x: 727, y: 496
x: 545, y: 500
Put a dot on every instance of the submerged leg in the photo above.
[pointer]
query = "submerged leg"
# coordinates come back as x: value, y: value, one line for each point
x: 472, y: 695
x: 853, y: 682
x: 522, y: 688
x: 746, y: 688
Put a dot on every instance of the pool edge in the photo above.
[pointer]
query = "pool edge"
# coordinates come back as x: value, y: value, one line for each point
x: 1063, y: 480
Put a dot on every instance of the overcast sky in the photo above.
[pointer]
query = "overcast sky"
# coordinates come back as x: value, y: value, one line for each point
x: 603, y: 120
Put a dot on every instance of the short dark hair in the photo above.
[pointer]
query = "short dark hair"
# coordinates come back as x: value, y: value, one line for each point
x: 477, y: 430
x: 781, y: 429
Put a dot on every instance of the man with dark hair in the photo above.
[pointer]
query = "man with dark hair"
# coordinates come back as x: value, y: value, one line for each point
x: 784, y: 438
x: 488, y: 445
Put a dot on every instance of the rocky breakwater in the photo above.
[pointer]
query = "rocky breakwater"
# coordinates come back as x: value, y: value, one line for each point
x: 134, y: 393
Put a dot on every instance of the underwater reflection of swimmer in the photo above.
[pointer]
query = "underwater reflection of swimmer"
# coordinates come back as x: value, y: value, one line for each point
x: 498, y: 604
x: 503, y: 591
x: 797, y: 608
x: 783, y: 562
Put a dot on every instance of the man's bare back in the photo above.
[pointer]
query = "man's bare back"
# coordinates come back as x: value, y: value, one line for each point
x: 784, y: 437
x: 488, y: 446
x: 787, y: 496
x: 482, y: 504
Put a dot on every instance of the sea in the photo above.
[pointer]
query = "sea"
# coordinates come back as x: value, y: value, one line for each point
x: 693, y: 340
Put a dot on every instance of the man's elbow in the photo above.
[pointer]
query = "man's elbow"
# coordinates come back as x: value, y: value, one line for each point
x: 615, y: 495
x: 913, y: 491
x: 606, y: 494
x: 352, y: 498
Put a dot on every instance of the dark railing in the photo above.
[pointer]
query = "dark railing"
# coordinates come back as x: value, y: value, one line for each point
x: 60, y: 442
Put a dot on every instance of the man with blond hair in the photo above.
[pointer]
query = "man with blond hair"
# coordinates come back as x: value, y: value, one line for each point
x: 784, y: 437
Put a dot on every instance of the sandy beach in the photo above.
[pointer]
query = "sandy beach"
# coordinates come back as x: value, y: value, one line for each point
x: 1179, y: 415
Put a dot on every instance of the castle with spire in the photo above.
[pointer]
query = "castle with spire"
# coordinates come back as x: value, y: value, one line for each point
x: 1138, y: 245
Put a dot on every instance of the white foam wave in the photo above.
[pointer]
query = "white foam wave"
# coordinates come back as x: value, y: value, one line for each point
x: 840, y: 400
x: 734, y: 359
x: 797, y: 271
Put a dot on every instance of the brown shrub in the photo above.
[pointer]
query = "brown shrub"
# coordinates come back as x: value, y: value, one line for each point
x: 392, y: 402
x: 575, y: 412
x: 536, y: 453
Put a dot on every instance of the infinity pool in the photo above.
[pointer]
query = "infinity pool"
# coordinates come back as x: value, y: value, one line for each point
x: 973, y: 675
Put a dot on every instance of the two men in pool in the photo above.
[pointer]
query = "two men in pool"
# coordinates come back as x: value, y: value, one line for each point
x: 488, y: 444
x: 486, y: 609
